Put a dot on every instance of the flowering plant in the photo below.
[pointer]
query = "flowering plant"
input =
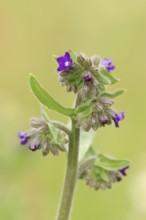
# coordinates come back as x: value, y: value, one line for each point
x: 89, y: 79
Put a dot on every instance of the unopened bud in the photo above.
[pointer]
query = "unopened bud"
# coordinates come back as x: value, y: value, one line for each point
x: 45, y: 147
x: 87, y: 77
x: 37, y: 122
x: 86, y: 126
x: 88, y: 64
x: 103, y: 118
x: 94, y: 122
x: 95, y: 60
x: 54, y: 149
x: 81, y: 59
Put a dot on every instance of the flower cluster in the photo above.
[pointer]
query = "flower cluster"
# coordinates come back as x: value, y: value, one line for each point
x: 84, y: 72
x: 43, y: 135
x: 97, y: 113
x: 99, y: 178
x: 88, y: 77
x: 100, y: 171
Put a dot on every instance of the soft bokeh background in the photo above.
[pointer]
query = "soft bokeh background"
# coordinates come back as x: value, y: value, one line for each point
x: 30, y: 32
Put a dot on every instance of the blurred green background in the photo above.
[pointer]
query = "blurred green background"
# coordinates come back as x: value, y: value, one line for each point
x: 30, y: 33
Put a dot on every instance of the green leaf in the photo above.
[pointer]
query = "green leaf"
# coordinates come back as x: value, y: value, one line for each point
x: 113, y: 94
x: 86, y: 105
x: 110, y: 164
x: 75, y: 76
x: 102, y: 79
x: 73, y: 55
x: 46, y: 99
x: 108, y: 76
x: 104, y: 175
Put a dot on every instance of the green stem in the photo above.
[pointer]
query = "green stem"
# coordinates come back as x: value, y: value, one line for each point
x: 61, y: 127
x: 71, y: 175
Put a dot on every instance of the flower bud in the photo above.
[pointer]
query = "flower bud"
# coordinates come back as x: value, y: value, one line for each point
x: 103, y: 118
x: 54, y: 149
x: 88, y: 64
x: 45, y: 147
x: 37, y: 122
x: 95, y: 61
x: 87, y: 77
x: 94, y: 121
x: 81, y: 59
x: 86, y: 125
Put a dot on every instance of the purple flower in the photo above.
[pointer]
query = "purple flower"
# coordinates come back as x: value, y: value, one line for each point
x: 107, y: 64
x: 23, y: 136
x: 65, y: 62
x: 123, y: 171
x: 87, y: 77
x: 118, y: 117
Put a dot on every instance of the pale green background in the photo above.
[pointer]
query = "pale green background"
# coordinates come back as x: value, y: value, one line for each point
x: 31, y: 31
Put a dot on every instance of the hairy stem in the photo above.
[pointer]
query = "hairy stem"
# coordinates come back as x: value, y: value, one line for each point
x: 71, y: 175
x: 61, y: 127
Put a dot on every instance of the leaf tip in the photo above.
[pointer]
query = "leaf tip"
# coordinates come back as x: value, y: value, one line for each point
x: 69, y: 50
x: 31, y: 76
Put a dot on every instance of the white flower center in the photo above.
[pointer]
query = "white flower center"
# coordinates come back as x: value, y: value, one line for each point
x: 67, y: 63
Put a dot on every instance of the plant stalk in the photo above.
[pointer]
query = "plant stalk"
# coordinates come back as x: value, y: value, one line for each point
x: 71, y: 175
x: 61, y: 127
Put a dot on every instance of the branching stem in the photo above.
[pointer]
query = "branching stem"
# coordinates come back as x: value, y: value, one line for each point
x: 61, y: 127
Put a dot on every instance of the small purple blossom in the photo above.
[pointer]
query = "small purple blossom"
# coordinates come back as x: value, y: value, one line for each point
x: 123, y: 171
x: 23, y: 136
x: 107, y: 64
x: 65, y: 62
x: 87, y: 77
x: 118, y: 117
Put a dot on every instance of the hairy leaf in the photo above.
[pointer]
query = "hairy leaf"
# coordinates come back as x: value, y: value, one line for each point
x: 108, y: 76
x: 84, y: 106
x: 103, y: 79
x: 46, y: 99
x: 110, y: 164
x: 113, y: 94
